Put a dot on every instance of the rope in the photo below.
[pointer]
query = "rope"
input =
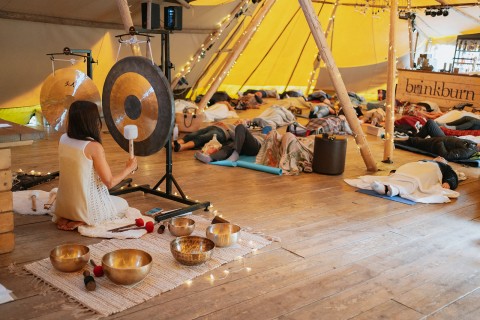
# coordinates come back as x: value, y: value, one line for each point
x: 301, y: 51
x: 270, y: 49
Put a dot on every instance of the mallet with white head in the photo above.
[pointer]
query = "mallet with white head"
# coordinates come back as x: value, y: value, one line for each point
x: 130, y: 132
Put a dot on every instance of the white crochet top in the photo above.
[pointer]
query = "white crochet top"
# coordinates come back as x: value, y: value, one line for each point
x: 81, y: 196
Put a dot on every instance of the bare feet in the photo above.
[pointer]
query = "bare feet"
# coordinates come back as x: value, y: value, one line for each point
x: 68, y: 225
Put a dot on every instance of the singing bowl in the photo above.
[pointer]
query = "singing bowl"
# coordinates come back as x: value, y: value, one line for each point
x: 69, y: 257
x: 192, y: 250
x: 126, y: 266
x: 180, y: 227
x: 223, y: 234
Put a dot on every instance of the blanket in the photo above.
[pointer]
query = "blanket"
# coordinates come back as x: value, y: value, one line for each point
x: 275, y: 116
x: 416, y: 181
x: 22, y: 204
x: 334, y: 125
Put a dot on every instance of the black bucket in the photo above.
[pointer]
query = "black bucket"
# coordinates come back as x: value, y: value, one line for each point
x: 329, y: 154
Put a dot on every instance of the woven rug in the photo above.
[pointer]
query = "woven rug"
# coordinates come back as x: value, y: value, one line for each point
x: 166, y: 273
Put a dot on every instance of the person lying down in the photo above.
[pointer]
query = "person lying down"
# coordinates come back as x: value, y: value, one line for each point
x: 425, y: 181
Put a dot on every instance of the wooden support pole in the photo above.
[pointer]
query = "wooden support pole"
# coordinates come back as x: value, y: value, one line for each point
x: 238, y: 49
x: 338, y: 84
x: 390, y: 103
x: 127, y: 23
x: 410, y: 42
x: 318, y: 58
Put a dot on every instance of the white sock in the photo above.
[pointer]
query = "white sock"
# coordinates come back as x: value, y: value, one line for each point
x: 234, y: 156
x: 392, y: 191
x: 378, y: 187
x: 203, y: 157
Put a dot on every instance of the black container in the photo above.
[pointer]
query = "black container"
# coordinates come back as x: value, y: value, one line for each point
x: 329, y: 154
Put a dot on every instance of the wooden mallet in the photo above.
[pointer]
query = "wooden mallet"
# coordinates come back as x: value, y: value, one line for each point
x: 34, y: 197
x: 130, y: 132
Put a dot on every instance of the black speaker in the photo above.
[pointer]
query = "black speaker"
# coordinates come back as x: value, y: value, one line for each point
x: 173, y: 18
x: 154, y: 14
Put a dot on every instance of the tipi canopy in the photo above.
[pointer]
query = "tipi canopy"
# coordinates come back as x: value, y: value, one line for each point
x: 280, y: 54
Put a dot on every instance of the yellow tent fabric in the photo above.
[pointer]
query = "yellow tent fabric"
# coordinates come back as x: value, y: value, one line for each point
x: 280, y: 53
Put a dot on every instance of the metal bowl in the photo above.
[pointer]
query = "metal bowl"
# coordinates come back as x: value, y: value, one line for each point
x: 223, y: 234
x: 192, y: 250
x: 69, y: 257
x: 126, y: 266
x: 180, y: 227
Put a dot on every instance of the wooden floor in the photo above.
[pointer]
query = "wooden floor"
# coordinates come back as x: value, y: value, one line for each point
x: 342, y: 255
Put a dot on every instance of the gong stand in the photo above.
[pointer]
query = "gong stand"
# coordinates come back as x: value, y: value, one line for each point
x: 83, y: 53
x: 137, y: 92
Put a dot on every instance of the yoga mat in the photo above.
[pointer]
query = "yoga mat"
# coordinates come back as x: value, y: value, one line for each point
x: 248, y: 162
x: 384, y: 196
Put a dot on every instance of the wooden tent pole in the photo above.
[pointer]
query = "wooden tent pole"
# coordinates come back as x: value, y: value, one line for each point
x: 318, y: 58
x: 410, y: 42
x: 238, y: 49
x: 338, y: 83
x: 127, y: 23
x: 390, y: 103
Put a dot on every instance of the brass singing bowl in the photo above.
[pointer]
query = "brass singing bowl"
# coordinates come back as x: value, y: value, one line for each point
x: 69, y: 257
x: 192, y: 250
x: 180, y: 227
x: 126, y: 266
x: 223, y: 234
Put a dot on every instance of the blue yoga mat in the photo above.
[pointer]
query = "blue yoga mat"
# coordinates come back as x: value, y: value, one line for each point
x: 249, y: 163
x: 384, y: 196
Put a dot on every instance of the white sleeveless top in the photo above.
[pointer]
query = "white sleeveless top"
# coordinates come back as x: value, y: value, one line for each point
x: 81, y: 195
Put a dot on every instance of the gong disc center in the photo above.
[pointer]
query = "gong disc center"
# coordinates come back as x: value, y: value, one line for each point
x: 133, y: 107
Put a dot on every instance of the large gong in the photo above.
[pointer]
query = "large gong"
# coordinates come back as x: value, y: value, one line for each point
x: 137, y: 93
x: 60, y: 89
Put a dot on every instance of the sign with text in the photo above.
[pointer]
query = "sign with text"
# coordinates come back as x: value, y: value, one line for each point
x: 445, y: 89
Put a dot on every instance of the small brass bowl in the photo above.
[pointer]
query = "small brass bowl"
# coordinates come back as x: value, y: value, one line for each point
x: 192, y: 250
x: 126, y: 266
x: 180, y: 227
x: 69, y: 257
x: 223, y: 234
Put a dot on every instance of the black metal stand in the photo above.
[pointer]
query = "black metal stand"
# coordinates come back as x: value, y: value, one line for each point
x: 168, y: 177
x: 83, y: 53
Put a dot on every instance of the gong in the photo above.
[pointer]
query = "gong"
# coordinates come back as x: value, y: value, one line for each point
x: 60, y: 89
x: 137, y: 93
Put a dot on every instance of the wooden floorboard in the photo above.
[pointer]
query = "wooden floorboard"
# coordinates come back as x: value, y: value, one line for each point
x: 341, y: 254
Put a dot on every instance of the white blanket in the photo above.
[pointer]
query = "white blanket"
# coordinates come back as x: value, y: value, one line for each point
x: 275, y: 116
x: 22, y: 204
x: 416, y: 181
x: 219, y: 111
x: 455, y: 115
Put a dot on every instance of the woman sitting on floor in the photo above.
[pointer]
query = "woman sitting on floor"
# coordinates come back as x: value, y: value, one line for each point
x: 422, y: 181
x: 85, y: 175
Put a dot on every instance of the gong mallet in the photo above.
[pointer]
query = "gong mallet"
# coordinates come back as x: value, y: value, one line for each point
x: 130, y: 132
x: 51, y: 199
x: 34, y: 196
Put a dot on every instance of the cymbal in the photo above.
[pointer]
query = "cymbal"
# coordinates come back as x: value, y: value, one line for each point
x: 136, y: 92
x: 62, y: 88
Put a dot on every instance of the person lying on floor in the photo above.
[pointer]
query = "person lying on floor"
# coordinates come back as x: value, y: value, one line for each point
x: 196, y: 140
x: 426, y: 181
x: 464, y: 123
x: 448, y: 147
x: 85, y: 175
x: 290, y: 153
x: 244, y: 143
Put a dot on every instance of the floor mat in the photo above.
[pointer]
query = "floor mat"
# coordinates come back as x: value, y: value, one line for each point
x: 384, y: 196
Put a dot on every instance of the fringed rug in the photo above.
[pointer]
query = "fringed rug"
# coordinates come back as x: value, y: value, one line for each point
x: 166, y: 273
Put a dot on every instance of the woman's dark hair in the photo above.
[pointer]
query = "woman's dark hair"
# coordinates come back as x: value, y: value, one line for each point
x: 84, y: 121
